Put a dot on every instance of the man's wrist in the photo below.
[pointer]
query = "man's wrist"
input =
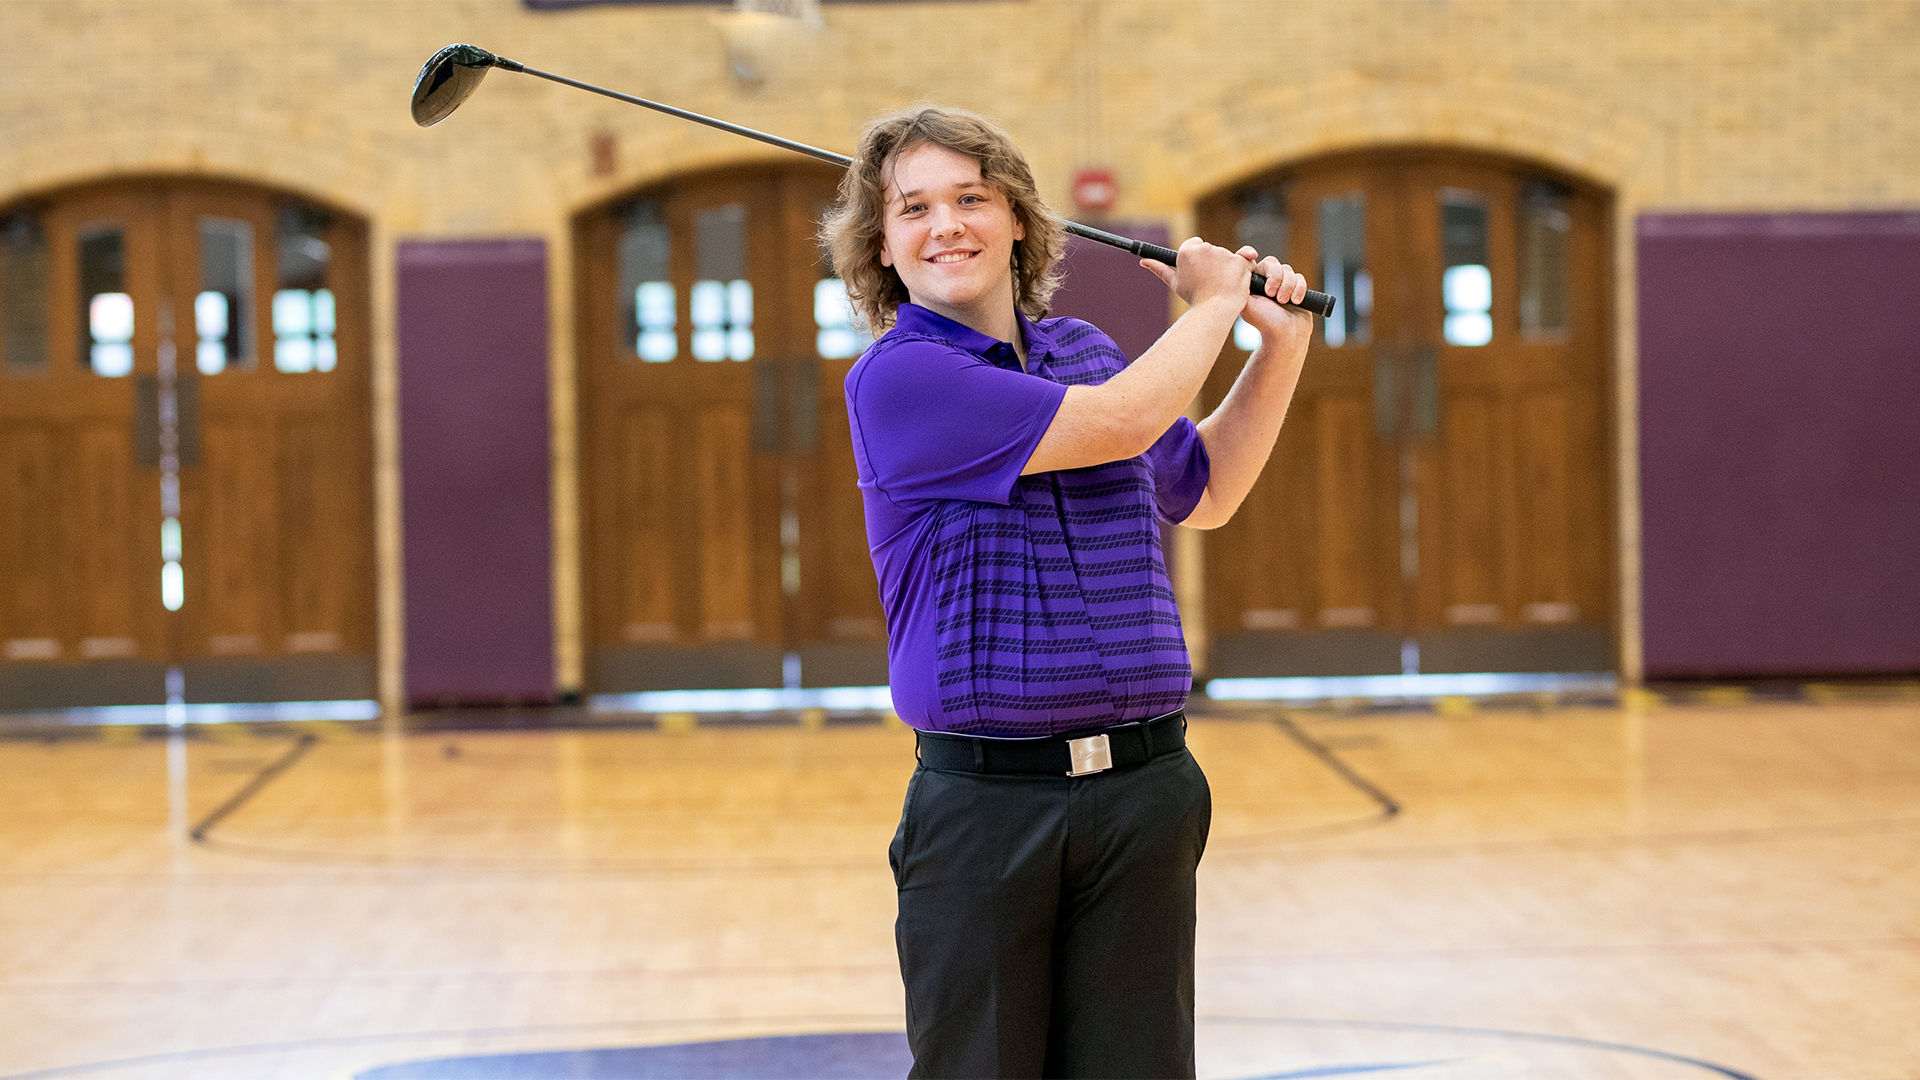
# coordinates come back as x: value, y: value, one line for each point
x: 1218, y: 305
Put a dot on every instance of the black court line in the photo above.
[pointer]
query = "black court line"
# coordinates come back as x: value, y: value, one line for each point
x: 1765, y: 834
x: 253, y: 787
x: 1237, y: 847
x: 1389, y: 806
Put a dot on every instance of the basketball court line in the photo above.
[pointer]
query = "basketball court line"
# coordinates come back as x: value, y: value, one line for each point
x: 1384, y: 1026
x: 201, y: 833
x: 342, y: 1041
x: 265, y: 807
x: 1282, y: 841
x: 1498, y: 1033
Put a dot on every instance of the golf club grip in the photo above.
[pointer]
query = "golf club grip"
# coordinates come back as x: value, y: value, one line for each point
x: 1319, y: 303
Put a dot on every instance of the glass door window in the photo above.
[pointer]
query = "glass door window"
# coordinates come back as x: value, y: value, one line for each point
x: 1466, y: 284
x: 106, y: 306
x: 304, y: 315
x: 23, y: 292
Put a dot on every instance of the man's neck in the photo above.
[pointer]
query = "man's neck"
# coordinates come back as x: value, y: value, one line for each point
x: 1000, y: 321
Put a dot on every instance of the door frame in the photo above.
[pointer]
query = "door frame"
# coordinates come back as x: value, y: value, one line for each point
x: 787, y: 465
x: 171, y: 199
x: 1212, y: 210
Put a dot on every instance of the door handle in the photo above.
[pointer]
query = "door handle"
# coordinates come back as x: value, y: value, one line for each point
x: 1426, y: 390
x: 804, y: 386
x: 146, y: 420
x: 1406, y: 391
x: 1386, y: 390
x: 766, y: 406
x: 786, y: 411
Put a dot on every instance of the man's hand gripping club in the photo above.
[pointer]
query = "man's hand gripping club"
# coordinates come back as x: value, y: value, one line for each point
x: 1122, y: 417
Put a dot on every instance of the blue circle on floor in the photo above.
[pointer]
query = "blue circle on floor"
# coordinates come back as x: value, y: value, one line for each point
x: 1386, y: 1047
x: 848, y: 1056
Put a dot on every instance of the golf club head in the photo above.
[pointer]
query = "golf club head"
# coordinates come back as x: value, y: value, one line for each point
x: 447, y: 79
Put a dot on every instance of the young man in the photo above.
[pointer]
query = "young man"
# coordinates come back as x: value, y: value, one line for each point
x: 1016, y: 471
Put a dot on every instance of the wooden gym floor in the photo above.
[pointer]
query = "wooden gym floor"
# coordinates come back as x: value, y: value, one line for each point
x: 1716, y: 885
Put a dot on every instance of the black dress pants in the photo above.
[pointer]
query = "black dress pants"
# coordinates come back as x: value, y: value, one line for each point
x: 1046, y: 923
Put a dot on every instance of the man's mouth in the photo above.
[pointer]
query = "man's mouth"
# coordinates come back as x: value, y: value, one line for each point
x: 953, y: 256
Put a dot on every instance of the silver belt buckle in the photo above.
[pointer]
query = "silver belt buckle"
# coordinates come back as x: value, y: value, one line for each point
x: 1090, y: 755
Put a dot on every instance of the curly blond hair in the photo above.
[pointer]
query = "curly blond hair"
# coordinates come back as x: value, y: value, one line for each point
x: 854, y: 229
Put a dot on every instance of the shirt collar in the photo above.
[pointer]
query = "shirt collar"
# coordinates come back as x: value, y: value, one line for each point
x: 914, y: 319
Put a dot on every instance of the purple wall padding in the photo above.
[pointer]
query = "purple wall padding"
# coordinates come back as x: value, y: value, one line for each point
x: 474, y: 470
x: 1780, y: 443
x: 1108, y: 288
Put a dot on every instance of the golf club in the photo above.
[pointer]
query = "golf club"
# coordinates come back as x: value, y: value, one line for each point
x: 451, y: 75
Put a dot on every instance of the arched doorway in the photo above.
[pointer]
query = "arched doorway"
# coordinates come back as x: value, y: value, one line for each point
x: 187, y: 493
x: 1440, y: 498
x: 725, y: 541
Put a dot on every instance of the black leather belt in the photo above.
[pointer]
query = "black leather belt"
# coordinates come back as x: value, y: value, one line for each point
x: 1073, y: 754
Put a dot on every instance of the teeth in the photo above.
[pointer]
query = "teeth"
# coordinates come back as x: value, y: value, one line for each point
x: 955, y: 256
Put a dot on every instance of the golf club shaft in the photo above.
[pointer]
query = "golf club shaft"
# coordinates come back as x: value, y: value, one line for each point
x: 1317, y: 302
x: 841, y: 160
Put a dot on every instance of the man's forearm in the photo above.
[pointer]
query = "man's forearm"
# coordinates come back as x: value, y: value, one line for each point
x: 1239, y: 435
x: 1154, y: 390
x: 1122, y: 417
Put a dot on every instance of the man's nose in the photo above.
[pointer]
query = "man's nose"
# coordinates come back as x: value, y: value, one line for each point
x: 945, y: 222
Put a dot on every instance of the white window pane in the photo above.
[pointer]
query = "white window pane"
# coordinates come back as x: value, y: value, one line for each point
x: 170, y: 539
x: 113, y: 360
x: 710, y: 344
x: 1467, y: 289
x: 211, y: 357
x: 739, y: 344
x: 740, y: 303
x: 837, y: 342
x: 324, y: 354
x: 292, y: 314
x: 110, y: 317
x: 323, y: 311
x: 1544, y: 228
x: 708, y: 306
x: 830, y: 307
x: 293, y: 354
x: 210, y: 316
x: 653, y: 305
x: 1245, y: 337
x: 658, y: 346
x: 1343, y: 267
x: 1472, y: 328
x: 173, y: 586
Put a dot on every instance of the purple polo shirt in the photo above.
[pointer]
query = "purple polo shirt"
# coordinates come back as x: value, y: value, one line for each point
x: 1016, y: 605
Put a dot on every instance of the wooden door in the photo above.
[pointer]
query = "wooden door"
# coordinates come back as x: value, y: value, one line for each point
x: 1438, y: 498
x: 188, y: 506
x: 714, y: 457
x: 279, y: 504
x: 80, y: 523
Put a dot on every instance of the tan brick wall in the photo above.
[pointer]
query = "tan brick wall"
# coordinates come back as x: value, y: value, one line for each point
x: 1790, y: 104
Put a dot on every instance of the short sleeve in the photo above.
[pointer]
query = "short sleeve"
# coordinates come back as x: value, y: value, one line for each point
x: 1180, y: 467
x: 937, y: 422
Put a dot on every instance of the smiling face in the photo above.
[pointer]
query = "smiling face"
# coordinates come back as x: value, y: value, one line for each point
x: 949, y: 235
